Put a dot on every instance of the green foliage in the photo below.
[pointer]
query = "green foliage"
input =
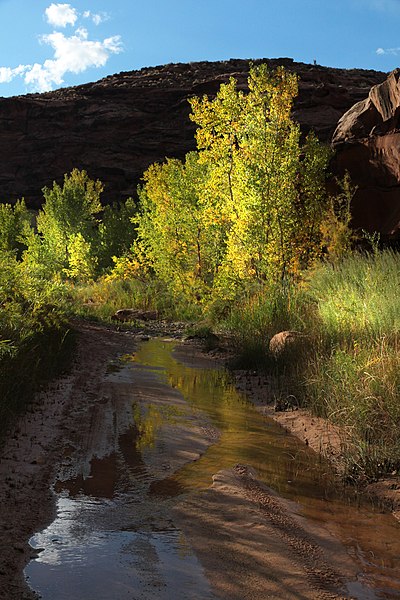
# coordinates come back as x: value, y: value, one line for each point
x: 67, y: 225
x: 14, y: 222
x: 82, y: 261
x: 33, y: 327
x: 116, y: 232
x: 71, y: 209
x: 274, y: 194
x: 337, y: 235
x: 247, y: 208
x: 69, y: 242
x: 174, y: 238
x: 77, y: 238
x: 29, y: 304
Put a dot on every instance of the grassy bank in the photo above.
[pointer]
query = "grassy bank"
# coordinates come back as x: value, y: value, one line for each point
x: 346, y: 367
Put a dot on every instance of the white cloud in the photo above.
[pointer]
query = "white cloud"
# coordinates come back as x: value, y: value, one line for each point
x: 61, y: 15
x: 81, y: 32
x: 97, y: 18
x: 388, y: 7
x: 386, y: 51
x: 73, y: 54
x: 7, y: 74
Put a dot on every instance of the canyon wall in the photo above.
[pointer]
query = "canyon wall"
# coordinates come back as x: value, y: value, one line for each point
x: 116, y: 127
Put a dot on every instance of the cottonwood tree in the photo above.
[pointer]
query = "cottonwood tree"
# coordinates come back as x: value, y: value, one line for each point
x: 173, y: 237
x: 246, y: 209
x: 266, y: 184
x: 68, y: 218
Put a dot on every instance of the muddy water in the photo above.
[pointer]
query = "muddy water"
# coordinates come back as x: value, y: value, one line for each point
x: 166, y: 428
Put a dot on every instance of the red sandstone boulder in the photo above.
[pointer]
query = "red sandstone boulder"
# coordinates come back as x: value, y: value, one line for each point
x: 367, y: 145
x: 285, y: 341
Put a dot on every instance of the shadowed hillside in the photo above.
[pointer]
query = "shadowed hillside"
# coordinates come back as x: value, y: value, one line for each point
x: 115, y: 128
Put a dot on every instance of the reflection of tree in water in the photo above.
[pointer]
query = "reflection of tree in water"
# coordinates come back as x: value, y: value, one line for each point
x: 246, y: 437
x: 149, y: 419
x: 211, y: 392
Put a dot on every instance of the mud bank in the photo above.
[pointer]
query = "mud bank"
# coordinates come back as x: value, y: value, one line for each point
x: 322, y: 436
x: 259, y: 546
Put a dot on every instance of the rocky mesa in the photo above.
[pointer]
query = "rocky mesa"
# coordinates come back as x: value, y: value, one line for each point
x: 116, y: 127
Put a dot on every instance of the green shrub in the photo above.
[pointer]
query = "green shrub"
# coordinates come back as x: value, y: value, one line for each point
x: 33, y: 334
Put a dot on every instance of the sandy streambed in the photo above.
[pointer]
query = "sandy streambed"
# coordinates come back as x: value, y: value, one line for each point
x: 129, y: 472
x: 36, y: 446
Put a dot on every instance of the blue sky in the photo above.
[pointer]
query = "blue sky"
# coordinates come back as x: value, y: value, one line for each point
x: 45, y: 45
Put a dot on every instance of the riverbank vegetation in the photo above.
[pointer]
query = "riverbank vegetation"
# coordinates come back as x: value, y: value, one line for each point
x: 241, y: 238
x: 346, y: 365
x: 40, y: 258
x: 34, y: 335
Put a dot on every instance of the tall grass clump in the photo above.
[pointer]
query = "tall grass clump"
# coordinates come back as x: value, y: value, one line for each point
x: 359, y: 297
x: 353, y: 377
x: 253, y: 320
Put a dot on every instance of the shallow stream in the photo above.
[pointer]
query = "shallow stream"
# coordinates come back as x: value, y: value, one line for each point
x: 171, y: 426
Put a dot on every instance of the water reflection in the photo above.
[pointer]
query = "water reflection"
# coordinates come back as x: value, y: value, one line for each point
x: 283, y: 463
x: 150, y: 418
x: 112, y: 537
x: 103, y: 565
x: 246, y: 437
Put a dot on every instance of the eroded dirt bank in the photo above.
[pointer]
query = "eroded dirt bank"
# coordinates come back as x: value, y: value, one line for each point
x: 320, y: 435
x: 251, y: 543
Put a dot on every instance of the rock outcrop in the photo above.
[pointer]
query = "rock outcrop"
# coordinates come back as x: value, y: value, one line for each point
x: 117, y: 127
x: 367, y: 145
x: 285, y: 342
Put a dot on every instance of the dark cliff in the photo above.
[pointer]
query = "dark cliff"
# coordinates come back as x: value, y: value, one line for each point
x: 116, y: 127
x: 367, y: 145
